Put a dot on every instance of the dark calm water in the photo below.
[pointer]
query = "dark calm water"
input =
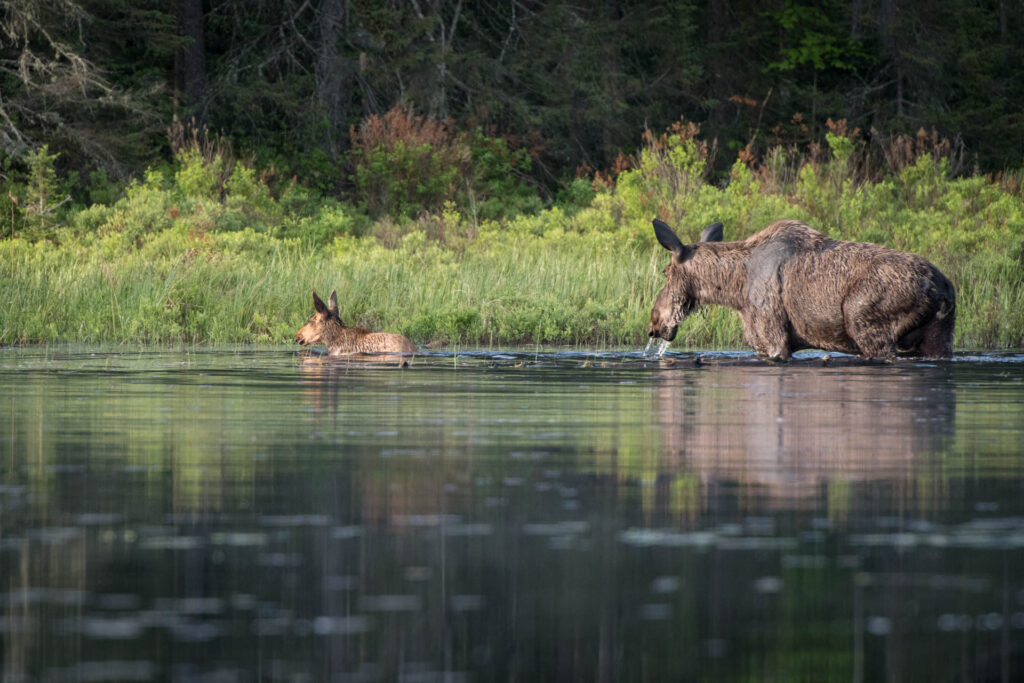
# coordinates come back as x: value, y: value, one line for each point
x: 243, y: 515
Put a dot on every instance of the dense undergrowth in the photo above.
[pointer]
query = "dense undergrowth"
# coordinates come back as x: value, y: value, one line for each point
x: 212, y: 250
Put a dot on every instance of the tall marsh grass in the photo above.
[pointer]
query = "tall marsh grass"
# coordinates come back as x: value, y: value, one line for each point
x: 248, y: 287
x: 213, y: 252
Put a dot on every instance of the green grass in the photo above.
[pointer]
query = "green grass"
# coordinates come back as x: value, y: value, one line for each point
x: 163, y: 266
x: 245, y: 287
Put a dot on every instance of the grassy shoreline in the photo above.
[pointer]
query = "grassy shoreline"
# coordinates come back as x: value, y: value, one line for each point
x: 169, y: 264
x: 245, y: 287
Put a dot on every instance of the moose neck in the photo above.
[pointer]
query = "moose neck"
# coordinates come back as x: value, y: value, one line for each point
x: 718, y: 273
x: 338, y: 337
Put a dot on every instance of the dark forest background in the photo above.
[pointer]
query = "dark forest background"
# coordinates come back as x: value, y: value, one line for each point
x: 289, y: 83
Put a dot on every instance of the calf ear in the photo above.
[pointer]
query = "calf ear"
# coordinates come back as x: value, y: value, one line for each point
x: 668, y: 239
x: 333, y: 301
x: 318, y: 304
x: 712, y: 233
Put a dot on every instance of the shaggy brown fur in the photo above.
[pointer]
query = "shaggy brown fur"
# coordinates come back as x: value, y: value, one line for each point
x: 325, y: 327
x: 797, y: 289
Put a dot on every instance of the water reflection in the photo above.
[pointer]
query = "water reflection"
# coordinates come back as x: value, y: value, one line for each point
x: 787, y: 433
x: 244, y: 515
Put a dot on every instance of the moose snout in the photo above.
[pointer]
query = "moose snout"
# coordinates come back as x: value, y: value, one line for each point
x: 656, y: 329
x: 667, y: 334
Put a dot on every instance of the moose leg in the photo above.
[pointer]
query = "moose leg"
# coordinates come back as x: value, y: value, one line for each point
x: 873, y: 339
x: 766, y: 334
x: 937, y: 341
x: 870, y: 320
x: 873, y: 347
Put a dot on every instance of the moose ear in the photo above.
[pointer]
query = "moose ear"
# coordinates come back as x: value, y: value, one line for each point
x: 318, y: 304
x: 333, y: 301
x: 712, y: 233
x: 668, y: 239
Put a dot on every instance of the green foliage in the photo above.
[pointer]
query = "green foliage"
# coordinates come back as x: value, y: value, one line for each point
x: 493, y: 185
x: 198, y: 176
x: 197, y: 254
x: 10, y: 214
x: 405, y: 179
x: 670, y: 166
x: 576, y: 195
x: 328, y: 221
x: 207, y: 194
x: 818, y: 40
x: 42, y: 193
x: 406, y: 165
x: 842, y: 147
x: 102, y: 189
x: 924, y: 181
x: 146, y: 208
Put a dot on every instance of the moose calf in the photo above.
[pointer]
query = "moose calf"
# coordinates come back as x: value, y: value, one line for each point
x: 325, y: 327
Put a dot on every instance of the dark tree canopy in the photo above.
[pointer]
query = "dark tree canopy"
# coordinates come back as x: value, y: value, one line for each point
x: 575, y: 83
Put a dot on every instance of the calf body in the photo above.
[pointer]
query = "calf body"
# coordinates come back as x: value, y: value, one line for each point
x: 797, y: 289
x: 325, y: 327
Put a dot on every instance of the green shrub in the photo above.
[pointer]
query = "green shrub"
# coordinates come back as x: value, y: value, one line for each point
x: 405, y: 165
x: 102, y: 189
x: 147, y: 207
x: 198, y: 177
x: 11, y: 222
x: 492, y: 184
x: 42, y: 195
x: 575, y: 195
x: 183, y: 256
x: 331, y: 220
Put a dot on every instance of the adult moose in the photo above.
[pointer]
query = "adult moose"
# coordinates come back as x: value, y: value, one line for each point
x: 797, y: 289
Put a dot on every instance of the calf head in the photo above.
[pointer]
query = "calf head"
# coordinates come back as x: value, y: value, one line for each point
x: 322, y: 324
x: 678, y: 297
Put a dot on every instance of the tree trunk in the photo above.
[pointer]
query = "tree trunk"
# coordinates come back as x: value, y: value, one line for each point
x: 434, y: 84
x: 190, y: 59
x: 1003, y: 24
x: 335, y: 74
x: 719, y: 60
x: 612, y: 69
x: 887, y: 36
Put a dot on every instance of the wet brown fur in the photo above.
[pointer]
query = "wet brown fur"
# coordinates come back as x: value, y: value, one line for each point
x: 325, y: 327
x: 797, y: 289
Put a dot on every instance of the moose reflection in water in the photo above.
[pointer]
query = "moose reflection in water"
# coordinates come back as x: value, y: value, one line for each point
x: 797, y: 289
x: 780, y: 433
x: 784, y: 433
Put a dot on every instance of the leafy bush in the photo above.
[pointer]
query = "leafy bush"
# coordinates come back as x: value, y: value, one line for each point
x: 329, y: 221
x: 576, y: 195
x: 405, y: 164
x: 199, y: 177
x: 191, y: 254
x: 492, y: 182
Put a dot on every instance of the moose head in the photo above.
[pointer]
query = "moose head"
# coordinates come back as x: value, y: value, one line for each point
x: 679, y: 296
x: 323, y: 324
